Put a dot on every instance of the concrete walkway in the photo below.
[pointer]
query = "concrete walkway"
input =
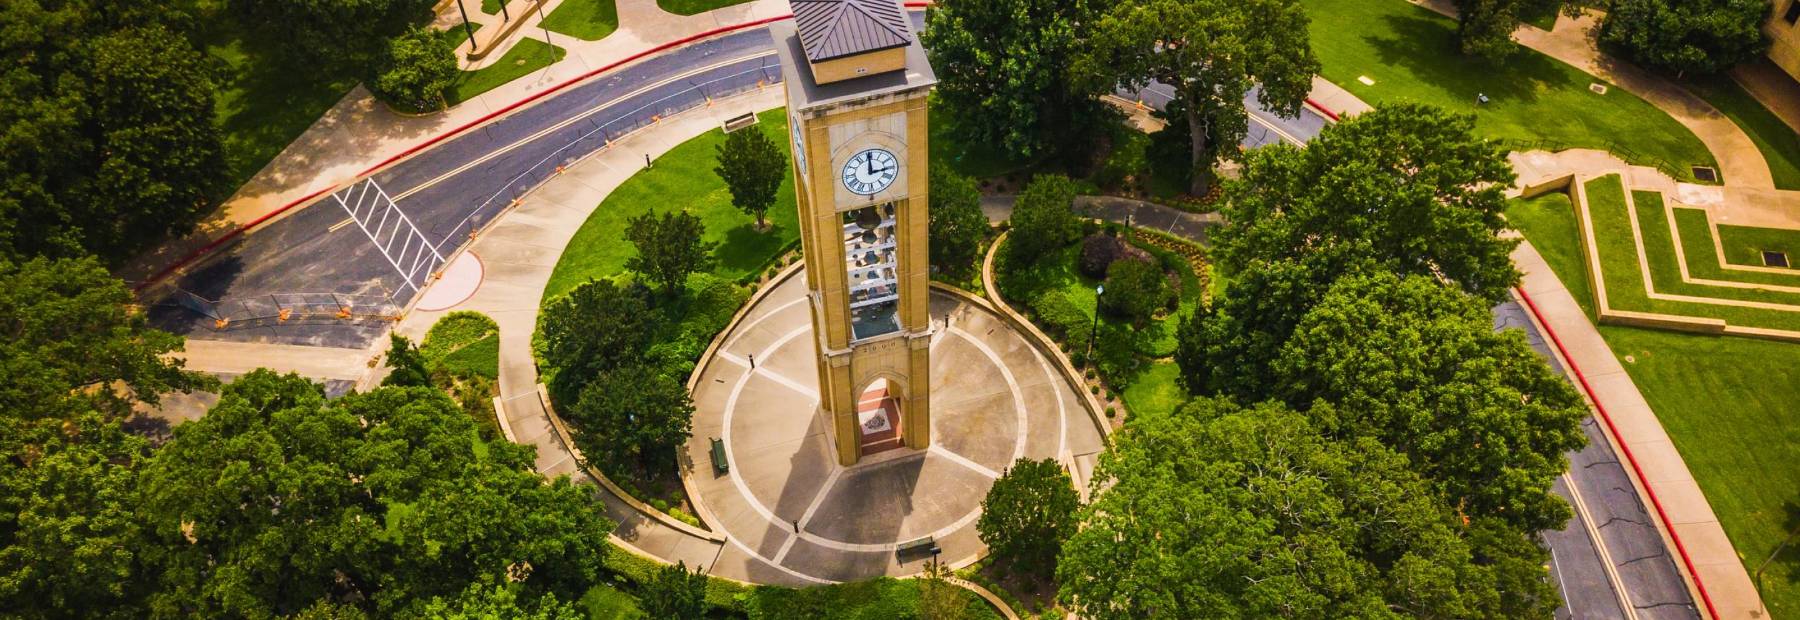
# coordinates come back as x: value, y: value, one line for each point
x: 1572, y: 41
x: 1776, y: 90
x: 520, y: 252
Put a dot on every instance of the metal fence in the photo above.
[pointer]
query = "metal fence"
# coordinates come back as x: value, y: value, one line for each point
x: 289, y: 308
x: 1631, y: 156
x: 589, y: 137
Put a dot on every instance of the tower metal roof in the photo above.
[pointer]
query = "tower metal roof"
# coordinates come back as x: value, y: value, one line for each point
x: 838, y: 28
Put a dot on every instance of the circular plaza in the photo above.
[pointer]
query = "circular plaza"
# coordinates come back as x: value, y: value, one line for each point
x: 791, y: 514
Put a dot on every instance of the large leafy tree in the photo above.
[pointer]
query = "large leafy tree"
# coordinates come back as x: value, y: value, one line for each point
x: 597, y: 327
x: 1484, y: 27
x: 1211, y: 52
x: 634, y: 409
x: 418, y: 67
x: 1003, y: 74
x: 675, y: 593
x: 278, y: 499
x: 1043, y: 219
x: 1220, y: 512
x: 487, y: 601
x: 752, y: 166
x: 107, y: 139
x: 1686, y: 36
x: 1418, y: 365
x: 1027, y: 515
x: 957, y: 224
x: 1408, y: 186
x: 330, y: 36
x: 74, y: 343
x: 670, y: 247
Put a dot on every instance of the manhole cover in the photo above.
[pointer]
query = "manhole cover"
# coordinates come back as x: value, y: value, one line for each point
x: 1704, y: 173
x: 1775, y: 259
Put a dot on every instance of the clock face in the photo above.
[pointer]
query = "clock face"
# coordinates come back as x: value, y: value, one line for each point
x: 870, y: 171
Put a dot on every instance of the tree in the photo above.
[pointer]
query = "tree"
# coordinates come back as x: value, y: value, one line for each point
x: 75, y: 343
x: 1043, y: 219
x: 70, y: 539
x: 1215, y: 511
x: 277, y: 499
x: 407, y: 362
x: 487, y: 601
x: 673, y: 592
x: 752, y: 167
x: 418, y: 67
x: 1228, y: 347
x: 1002, y: 68
x: 330, y: 36
x: 938, y: 598
x: 1484, y: 27
x: 1211, y: 52
x: 594, y: 328
x: 1418, y: 365
x: 1027, y: 515
x: 669, y: 248
x: 633, y: 409
x: 1408, y: 186
x: 1135, y: 288
x: 107, y: 133
x: 957, y: 227
x: 1686, y: 36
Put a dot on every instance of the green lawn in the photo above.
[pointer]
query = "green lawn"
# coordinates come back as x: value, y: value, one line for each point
x: 1703, y: 257
x: 1744, y: 244
x: 1156, y: 391
x: 695, y: 7
x: 682, y: 178
x: 1624, y: 279
x: 1543, y: 16
x: 1728, y: 404
x: 1410, y: 53
x: 526, y: 56
x: 1777, y: 141
x: 464, y: 342
x: 590, y: 20
x: 260, y: 108
x: 491, y: 7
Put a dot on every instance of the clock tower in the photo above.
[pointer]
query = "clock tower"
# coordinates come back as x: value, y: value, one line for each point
x: 857, y: 81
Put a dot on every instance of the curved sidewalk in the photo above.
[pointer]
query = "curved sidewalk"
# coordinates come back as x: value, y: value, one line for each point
x: 521, y: 251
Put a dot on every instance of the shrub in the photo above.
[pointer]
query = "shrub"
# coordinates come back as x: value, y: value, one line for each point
x: 1686, y: 36
x: 1135, y: 288
x: 1044, y: 219
x: 418, y: 67
x: 1097, y: 253
x: 1112, y: 412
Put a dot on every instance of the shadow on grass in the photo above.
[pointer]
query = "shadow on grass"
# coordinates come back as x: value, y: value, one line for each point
x: 746, y: 249
x: 1426, y: 47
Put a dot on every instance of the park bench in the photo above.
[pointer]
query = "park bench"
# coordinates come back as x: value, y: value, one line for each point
x: 718, y: 457
x: 739, y: 122
x: 917, y: 544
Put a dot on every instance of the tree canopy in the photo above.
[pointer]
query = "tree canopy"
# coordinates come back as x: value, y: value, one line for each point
x: 331, y: 36
x: 277, y: 499
x: 1408, y: 186
x: 1043, y: 219
x: 1686, y: 36
x: 1484, y: 27
x: 957, y: 225
x: 1420, y: 367
x: 1003, y: 71
x: 1216, y: 511
x: 670, y: 247
x: 596, y: 327
x: 107, y: 134
x: 752, y: 166
x: 1212, y: 52
x: 1027, y: 515
x: 634, y: 409
x: 416, y: 70
x: 675, y: 593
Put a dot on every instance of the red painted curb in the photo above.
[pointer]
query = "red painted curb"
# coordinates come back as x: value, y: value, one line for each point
x: 188, y: 259
x: 1322, y: 110
x: 1623, y: 449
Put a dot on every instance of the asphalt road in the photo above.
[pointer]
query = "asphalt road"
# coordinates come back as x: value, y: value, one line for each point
x: 458, y: 186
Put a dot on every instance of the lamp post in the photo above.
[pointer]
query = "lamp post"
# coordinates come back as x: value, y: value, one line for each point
x: 466, y: 27
x: 1095, y: 329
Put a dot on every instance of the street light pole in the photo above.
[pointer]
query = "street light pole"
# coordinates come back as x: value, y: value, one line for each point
x: 466, y: 27
x: 1095, y: 329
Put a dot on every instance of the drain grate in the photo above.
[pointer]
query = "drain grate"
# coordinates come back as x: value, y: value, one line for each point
x: 1705, y: 173
x: 1775, y: 259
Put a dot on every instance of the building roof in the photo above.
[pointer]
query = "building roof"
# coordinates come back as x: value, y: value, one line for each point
x: 838, y: 28
x: 806, y: 94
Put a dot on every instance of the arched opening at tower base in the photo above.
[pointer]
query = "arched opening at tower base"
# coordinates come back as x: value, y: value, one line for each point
x: 878, y: 417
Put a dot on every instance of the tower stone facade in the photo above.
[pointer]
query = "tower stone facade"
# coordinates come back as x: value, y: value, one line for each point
x: 857, y: 81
